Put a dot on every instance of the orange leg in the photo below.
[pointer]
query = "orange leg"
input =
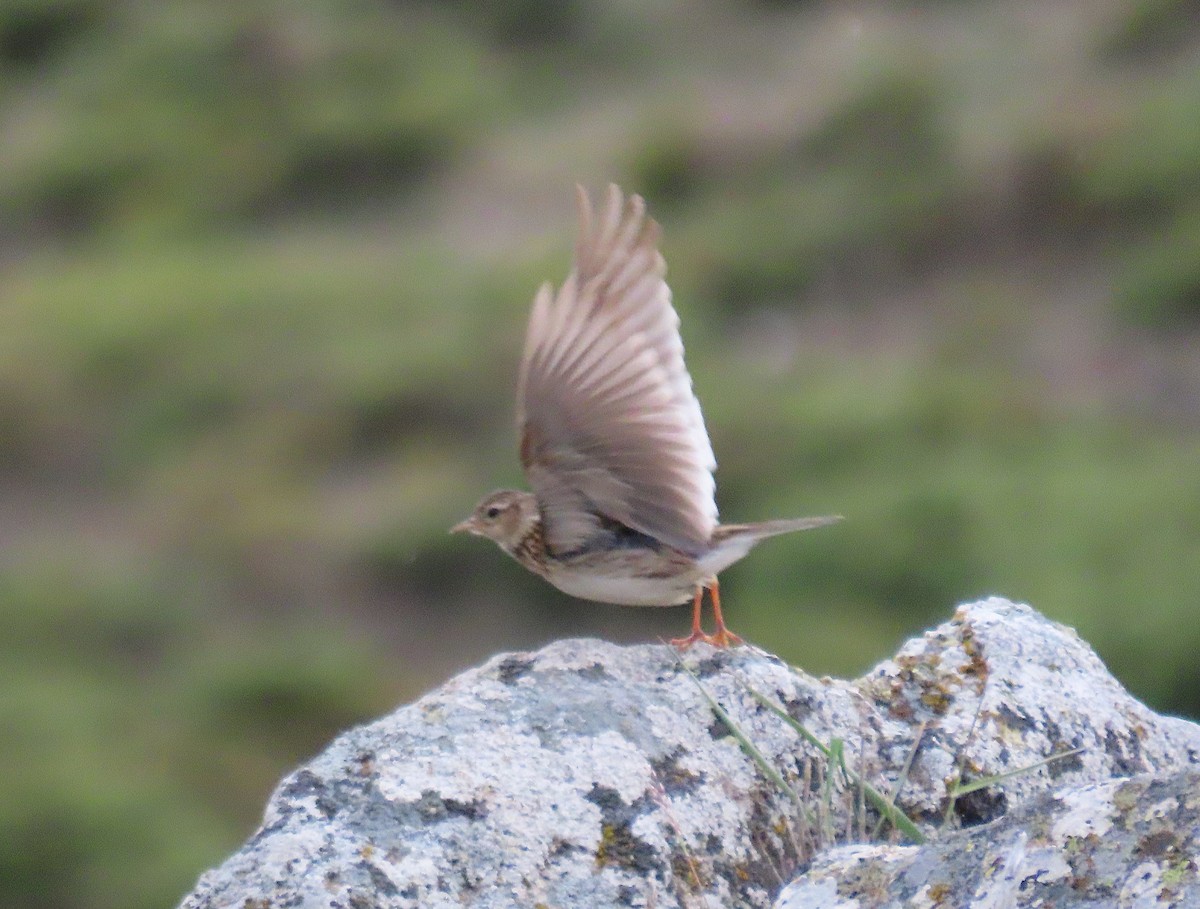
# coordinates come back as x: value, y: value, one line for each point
x: 723, y: 636
x: 697, y: 632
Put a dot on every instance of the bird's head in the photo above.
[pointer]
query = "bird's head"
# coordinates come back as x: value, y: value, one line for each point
x: 506, y: 516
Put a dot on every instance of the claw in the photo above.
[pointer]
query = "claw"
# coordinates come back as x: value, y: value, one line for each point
x: 724, y: 638
x: 685, y: 643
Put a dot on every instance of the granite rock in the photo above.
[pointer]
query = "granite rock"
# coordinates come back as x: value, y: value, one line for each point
x: 587, y: 774
x: 1119, y: 843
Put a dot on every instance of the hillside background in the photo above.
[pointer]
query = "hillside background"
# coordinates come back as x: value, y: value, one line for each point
x: 264, y: 273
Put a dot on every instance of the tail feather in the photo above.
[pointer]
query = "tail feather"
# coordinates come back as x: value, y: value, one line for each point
x: 763, y: 529
x: 731, y: 542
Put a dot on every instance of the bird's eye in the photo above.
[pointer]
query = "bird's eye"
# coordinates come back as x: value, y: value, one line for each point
x: 493, y: 512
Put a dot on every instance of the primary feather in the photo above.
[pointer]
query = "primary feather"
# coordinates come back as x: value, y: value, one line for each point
x: 609, y: 424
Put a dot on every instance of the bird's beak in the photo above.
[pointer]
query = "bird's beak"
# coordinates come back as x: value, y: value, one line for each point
x: 467, y: 526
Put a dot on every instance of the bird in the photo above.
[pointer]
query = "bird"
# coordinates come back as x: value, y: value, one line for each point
x: 622, y: 507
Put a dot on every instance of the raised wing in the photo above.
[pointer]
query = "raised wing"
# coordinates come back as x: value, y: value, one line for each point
x: 609, y: 424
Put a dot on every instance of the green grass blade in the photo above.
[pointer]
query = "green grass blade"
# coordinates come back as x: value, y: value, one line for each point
x: 768, y: 770
x: 878, y: 801
x: 961, y: 789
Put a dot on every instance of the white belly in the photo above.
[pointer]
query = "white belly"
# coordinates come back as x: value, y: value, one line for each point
x: 628, y: 591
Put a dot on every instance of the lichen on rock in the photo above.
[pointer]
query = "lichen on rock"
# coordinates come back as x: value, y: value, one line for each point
x: 588, y: 774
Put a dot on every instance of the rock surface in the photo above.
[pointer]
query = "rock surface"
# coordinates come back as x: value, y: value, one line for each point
x: 588, y: 774
x: 1124, y: 842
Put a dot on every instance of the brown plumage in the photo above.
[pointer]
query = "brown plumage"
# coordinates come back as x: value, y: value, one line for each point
x: 622, y: 508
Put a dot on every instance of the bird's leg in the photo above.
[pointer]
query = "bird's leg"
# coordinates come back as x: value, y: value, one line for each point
x: 722, y: 637
x: 697, y: 632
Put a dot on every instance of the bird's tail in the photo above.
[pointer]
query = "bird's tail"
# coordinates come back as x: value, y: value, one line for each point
x: 763, y: 529
x: 731, y: 542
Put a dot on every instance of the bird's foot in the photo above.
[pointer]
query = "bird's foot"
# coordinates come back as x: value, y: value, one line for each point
x: 685, y: 643
x: 724, y: 638
x: 697, y: 632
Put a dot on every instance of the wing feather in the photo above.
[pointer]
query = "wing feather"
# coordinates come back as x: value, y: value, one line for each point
x: 610, y: 427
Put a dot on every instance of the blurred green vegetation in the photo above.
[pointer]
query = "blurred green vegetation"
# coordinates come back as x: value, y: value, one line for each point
x: 264, y: 270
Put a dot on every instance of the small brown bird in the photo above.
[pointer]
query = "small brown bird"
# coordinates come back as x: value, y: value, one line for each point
x: 612, y: 439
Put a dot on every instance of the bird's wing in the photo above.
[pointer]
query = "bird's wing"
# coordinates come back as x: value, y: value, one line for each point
x: 609, y: 424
